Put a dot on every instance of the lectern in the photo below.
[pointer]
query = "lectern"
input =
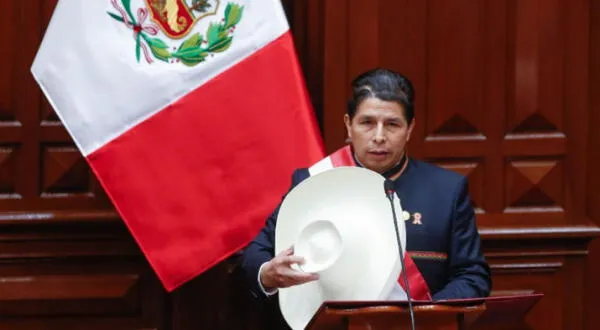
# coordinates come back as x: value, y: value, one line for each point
x: 502, y: 312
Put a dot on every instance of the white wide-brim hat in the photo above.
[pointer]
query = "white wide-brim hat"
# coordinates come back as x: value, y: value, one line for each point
x: 341, y: 222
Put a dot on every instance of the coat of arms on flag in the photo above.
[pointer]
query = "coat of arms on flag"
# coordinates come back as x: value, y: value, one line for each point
x: 175, y: 20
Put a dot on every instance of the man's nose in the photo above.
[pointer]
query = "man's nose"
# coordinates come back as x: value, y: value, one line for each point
x: 379, y: 136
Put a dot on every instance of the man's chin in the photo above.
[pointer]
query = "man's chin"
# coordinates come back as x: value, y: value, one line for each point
x: 379, y: 168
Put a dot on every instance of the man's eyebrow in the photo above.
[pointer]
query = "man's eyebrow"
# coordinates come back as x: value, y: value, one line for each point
x: 365, y: 116
x: 386, y: 118
x: 394, y: 119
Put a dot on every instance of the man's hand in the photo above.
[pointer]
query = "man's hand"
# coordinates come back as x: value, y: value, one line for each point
x: 277, y: 273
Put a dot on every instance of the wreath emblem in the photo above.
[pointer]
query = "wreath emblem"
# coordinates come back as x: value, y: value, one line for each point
x: 176, y: 19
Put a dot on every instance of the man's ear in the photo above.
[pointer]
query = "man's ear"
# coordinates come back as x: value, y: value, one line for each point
x: 410, y: 129
x: 348, y: 123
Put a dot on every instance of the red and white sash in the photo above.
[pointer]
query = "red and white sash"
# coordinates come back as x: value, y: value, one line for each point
x: 418, y: 287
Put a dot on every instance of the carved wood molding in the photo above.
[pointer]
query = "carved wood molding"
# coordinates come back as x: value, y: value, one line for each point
x: 511, y: 233
x: 71, y: 216
x: 526, y: 267
x: 43, y: 235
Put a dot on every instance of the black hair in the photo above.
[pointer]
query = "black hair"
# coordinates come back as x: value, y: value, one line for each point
x: 385, y: 85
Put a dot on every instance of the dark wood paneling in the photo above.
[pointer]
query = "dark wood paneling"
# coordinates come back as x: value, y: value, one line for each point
x: 75, y: 275
x: 40, y: 167
x: 219, y: 299
x: 308, y: 28
x: 593, y: 183
x: 548, y: 261
x: 492, y: 101
x: 542, y: 275
x: 335, y: 75
x: 507, y: 94
x: 502, y: 91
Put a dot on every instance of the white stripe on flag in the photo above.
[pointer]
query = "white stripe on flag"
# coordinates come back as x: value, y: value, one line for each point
x: 91, y: 77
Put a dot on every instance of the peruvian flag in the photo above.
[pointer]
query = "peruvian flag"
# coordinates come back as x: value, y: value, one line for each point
x: 191, y: 113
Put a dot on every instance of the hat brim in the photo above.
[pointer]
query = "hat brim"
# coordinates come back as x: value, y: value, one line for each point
x: 352, y: 198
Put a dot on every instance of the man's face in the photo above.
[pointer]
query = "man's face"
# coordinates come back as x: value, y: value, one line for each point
x: 379, y: 133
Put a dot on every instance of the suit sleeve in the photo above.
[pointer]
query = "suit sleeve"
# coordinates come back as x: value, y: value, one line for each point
x: 262, y: 247
x: 469, y: 272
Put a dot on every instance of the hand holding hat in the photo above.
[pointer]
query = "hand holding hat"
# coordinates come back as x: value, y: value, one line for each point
x: 280, y: 273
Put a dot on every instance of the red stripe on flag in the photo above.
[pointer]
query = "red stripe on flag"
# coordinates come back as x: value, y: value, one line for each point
x: 195, y: 182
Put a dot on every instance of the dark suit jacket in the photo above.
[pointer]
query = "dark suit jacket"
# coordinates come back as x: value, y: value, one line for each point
x: 445, y: 245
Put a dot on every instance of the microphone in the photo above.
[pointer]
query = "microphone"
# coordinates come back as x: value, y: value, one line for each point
x: 390, y: 189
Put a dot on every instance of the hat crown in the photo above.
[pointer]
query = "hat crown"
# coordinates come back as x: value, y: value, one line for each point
x: 320, y: 244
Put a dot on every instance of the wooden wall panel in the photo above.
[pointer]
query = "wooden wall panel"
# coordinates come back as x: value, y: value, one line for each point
x: 306, y: 19
x: 507, y: 94
x: 40, y: 167
x: 592, y: 305
x: 75, y: 275
x: 552, y: 263
x: 541, y: 276
x: 502, y: 91
x: 490, y: 94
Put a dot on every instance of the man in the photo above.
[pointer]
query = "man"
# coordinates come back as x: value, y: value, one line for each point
x: 442, y: 237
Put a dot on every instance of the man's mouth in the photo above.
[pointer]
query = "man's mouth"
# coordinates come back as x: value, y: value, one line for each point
x: 378, y: 153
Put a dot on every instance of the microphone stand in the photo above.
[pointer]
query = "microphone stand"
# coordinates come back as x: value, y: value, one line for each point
x: 389, y: 192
